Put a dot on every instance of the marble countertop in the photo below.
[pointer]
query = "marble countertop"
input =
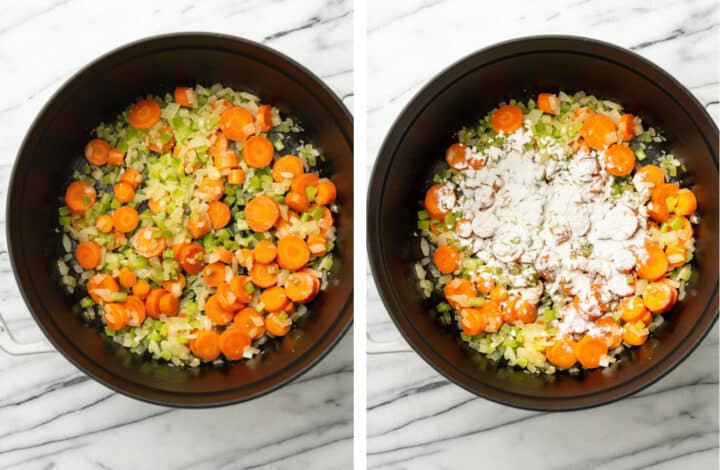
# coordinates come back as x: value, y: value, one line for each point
x: 416, y: 418
x: 53, y: 416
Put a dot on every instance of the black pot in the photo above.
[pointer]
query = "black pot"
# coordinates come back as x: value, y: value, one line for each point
x: 461, y: 95
x: 97, y: 93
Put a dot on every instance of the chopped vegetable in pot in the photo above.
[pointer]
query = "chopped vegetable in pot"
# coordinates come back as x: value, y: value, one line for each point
x: 198, y: 227
x: 548, y: 241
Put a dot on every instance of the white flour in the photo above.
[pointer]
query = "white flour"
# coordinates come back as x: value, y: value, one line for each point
x: 552, y: 213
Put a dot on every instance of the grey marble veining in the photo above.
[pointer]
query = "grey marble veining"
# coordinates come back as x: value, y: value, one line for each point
x: 51, y: 415
x: 416, y: 418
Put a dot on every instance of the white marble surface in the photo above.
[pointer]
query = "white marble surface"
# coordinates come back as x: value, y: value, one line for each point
x: 51, y: 415
x: 416, y: 418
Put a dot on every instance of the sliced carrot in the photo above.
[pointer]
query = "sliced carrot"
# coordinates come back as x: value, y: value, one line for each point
x: 265, y: 252
x: 274, y: 299
x: 125, y: 219
x: 97, y: 151
x: 116, y: 157
x: 304, y: 181
x: 264, y: 275
x: 236, y: 176
x: 651, y: 174
x: 458, y: 293
x: 79, y: 197
x: 168, y: 305
x: 233, y: 342
x: 599, y: 131
x: 316, y: 281
x: 88, y: 254
x: 104, y: 223
x: 185, y: 96
x: 548, y: 103
x: 216, y: 313
x: 472, y: 321
x: 676, y: 255
x: 485, y: 283
x: 206, y: 345
x: 135, y: 308
x: 278, y: 324
x: 199, y: 224
x: 101, y: 287
x: 261, y: 213
x: 498, y: 293
x: 326, y: 192
x: 439, y: 200
x: 141, y: 289
x: 634, y: 335
x: 493, y: 315
x: 287, y: 168
x: 226, y: 256
x: 456, y: 156
x: 658, y: 208
x: 611, y: 331
x: 317, y: 244
x: 686, y: 202
x: 214, y: 274
x: 144, y: 114
x: 659, y: 297
x: 292, y: 253
x: 507, y: 119
x: 132, y: 177
x: 119, y: 239
x: 297, y: 202
x: 175, y: 286
x: 228, y: 300
x: 245, y: 257
x: 263, y: 119
x: 127, y: 278
x: 258, y: 151
x: 300, y: 287
x: 210, y: 190
x: 219, y: 145
x: 237, y: 123
x: 631, y: 309
x: 191, y: 258
x: 251, y: 322
x: 526, y: 311
x: 225, y: 161
x: 115, y: 316
x: 242, y: 288
x: 652, y: 263
x: 446, y: 259
x: 123, y: 192
x: 219, y: 214
x: 626, y: 128
x: 148, y: 242
x: 562, y: 353
x: 619, y: 160
x: 152, y: 302
x: 589, y: 350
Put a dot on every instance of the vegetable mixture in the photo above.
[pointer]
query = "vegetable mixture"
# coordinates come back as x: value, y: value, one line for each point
x: 549, y: 240
x: 198, y: 226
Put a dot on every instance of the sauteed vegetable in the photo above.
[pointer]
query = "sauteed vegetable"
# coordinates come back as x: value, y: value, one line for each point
x: 198, y: 226
x: 550, y: 240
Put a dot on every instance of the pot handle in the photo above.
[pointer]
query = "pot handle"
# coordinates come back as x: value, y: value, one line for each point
x: 11, y: 346
x: 384, y: 347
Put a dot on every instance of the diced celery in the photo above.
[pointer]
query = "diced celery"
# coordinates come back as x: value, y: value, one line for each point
x: 443, y: 307
x: 118, y: 296
x: 87, y: 302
